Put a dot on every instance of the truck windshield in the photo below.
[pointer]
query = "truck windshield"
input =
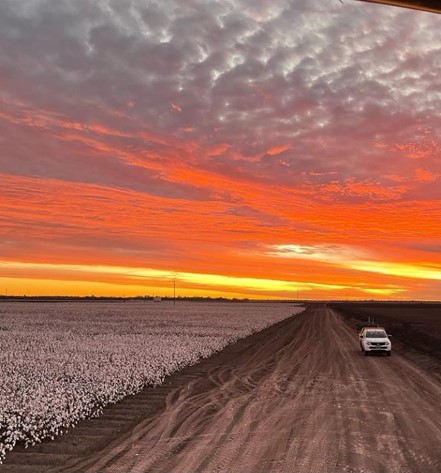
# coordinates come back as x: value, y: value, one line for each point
x: 376, y: 334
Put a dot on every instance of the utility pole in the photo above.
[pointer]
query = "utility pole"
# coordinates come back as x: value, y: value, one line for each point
x: 174, y: 291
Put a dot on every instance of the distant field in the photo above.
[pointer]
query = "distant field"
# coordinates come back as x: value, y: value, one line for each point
x: 63, y: 362
x: 417, y: 325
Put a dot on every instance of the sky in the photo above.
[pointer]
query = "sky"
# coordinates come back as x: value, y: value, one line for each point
x: 242, y: 148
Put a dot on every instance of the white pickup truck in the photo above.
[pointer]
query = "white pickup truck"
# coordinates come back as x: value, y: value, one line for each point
x: 374, y: 339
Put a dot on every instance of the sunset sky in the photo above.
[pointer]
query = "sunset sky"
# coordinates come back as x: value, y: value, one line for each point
x: 243, y: 148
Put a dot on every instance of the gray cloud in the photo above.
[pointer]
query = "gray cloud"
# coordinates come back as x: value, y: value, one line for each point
x: 338, y: 85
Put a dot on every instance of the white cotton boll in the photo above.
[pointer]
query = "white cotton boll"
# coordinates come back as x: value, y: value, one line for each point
x: 64, y: 362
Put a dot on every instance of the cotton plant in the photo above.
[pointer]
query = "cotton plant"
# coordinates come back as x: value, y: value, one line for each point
x: 62, y: 363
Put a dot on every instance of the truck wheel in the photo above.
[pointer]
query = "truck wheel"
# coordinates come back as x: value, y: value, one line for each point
x: 366, y: 353
x: 388, y: 353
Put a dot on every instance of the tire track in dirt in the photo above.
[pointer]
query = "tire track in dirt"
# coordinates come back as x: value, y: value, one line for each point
x: 302, y: 400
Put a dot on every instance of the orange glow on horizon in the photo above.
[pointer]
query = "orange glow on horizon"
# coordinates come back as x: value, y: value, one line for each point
x: 62, y: 279
x: 219, y: 240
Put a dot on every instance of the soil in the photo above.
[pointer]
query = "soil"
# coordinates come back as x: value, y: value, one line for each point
x: 415, y: 327
x: 296, y: 397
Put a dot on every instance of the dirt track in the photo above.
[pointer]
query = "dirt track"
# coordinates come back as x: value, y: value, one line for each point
x: 301, y: 400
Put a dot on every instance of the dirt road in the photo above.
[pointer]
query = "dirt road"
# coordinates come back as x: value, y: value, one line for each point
x: 303, y: 400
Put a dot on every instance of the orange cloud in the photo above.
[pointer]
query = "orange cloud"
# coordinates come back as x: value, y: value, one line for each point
x: 419, y: 150
x: 90, y: 225
x: 218, y: 149
x: 278, y: 149
x: 423, y: 175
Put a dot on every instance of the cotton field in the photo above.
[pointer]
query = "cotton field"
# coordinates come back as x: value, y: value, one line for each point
x: 63, y: 362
